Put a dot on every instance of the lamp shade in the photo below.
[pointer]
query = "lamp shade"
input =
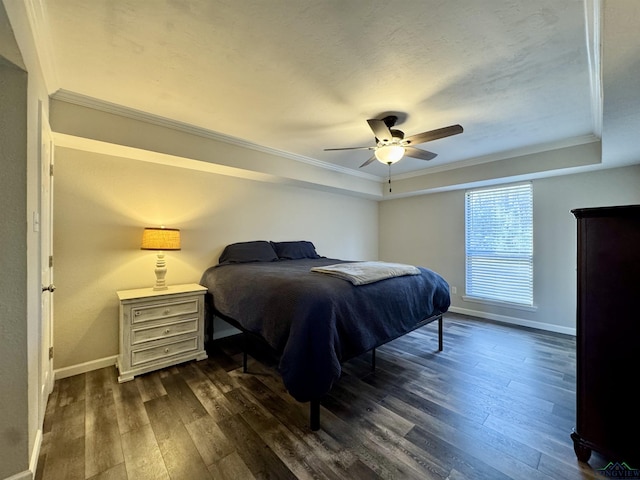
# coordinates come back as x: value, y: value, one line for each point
x: 389, y: 153
x: 160, y: 239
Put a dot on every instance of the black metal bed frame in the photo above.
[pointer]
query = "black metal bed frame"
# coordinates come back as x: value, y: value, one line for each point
x: 314, y: 405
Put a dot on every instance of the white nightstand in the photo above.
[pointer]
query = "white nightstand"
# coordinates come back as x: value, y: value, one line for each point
x: 160, y: 328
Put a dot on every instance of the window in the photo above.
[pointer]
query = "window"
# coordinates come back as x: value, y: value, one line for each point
x: 499, y: 244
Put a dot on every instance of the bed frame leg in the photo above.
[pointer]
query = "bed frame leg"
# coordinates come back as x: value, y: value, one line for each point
x: 314, y: 415
x: 245, y: 343
x: 373, y: 360
x: 440, y: 346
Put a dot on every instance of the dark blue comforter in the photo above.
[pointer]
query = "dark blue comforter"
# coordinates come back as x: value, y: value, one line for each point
x: 315, y: 321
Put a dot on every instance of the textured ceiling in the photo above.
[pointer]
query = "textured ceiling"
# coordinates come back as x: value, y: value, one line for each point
x: 300, y: 76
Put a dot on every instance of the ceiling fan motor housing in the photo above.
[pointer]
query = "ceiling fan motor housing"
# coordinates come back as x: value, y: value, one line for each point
x: 390, y: 120
x: 397, y: 135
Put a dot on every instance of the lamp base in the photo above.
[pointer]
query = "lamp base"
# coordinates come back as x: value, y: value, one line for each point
x: 161, y: 272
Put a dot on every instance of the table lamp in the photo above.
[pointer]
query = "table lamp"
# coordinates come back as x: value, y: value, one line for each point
x: 160, y: 239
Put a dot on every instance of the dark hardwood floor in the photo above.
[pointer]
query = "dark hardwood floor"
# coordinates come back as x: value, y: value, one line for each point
x: 497, y: 403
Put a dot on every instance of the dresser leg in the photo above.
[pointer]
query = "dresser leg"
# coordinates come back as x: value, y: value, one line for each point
x: 583, y: 452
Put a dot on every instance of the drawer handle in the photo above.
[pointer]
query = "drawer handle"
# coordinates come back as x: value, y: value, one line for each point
x: 166, y: 350
x: 166, y: 312
x: 166, y: 332
x: 138, y: 312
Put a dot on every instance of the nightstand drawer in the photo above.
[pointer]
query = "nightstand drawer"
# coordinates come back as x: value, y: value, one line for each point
x: 139, y: 357
x: 148, y: 334
x: 164, y: 310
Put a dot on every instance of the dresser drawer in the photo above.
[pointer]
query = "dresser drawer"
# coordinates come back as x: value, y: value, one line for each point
x: 147, y: 313
x: 146, y: 355
x: 167, y: 330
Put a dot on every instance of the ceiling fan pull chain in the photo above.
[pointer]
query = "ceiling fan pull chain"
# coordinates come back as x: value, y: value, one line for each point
x: 389, y: 176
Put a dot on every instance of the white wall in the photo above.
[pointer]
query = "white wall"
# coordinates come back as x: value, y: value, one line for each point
x: 428, y: 230
x: 103, y: 202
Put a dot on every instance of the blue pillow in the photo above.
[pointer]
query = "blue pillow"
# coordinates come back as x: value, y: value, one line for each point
x: 245, y: 252
x: 295, y: 250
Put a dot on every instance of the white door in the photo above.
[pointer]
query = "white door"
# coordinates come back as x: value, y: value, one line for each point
x: 46, y: 252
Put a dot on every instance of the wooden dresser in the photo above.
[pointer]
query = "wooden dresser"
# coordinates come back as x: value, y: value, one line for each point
x: 608, y: 334
x: 159, y: 328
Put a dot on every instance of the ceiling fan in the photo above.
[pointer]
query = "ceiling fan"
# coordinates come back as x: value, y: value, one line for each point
x: 391, y: 145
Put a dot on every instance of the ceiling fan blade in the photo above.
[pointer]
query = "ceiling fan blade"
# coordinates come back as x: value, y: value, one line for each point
x: 417, y: 153
x: 349, y: 148
x: 433, y: 135
x: 373, y: 157
x: 380, y: 130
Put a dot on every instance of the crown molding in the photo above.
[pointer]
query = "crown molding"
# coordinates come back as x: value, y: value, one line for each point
x: 108, y: 107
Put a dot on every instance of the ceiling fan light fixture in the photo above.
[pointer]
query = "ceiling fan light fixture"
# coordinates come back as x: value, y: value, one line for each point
x: 388, y: 154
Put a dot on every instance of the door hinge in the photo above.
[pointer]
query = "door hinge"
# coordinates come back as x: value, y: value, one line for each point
x: 50, y: 261
x: 51, y: 169
x: 50, y: 353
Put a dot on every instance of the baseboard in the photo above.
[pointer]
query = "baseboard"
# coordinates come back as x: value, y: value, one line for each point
x: 26, y: 475
x: 549, y: 327
x: 111, y: 361
x: 84, y: 367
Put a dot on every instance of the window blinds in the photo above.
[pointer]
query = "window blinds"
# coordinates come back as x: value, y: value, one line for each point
x: 499, y: 244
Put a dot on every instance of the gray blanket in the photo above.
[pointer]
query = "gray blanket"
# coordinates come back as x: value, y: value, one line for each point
x: 361, y: 273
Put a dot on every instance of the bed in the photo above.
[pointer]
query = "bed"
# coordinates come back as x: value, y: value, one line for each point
x: 316, y: 320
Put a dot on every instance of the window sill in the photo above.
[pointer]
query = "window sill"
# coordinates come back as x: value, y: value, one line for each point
x: 497, y: 303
